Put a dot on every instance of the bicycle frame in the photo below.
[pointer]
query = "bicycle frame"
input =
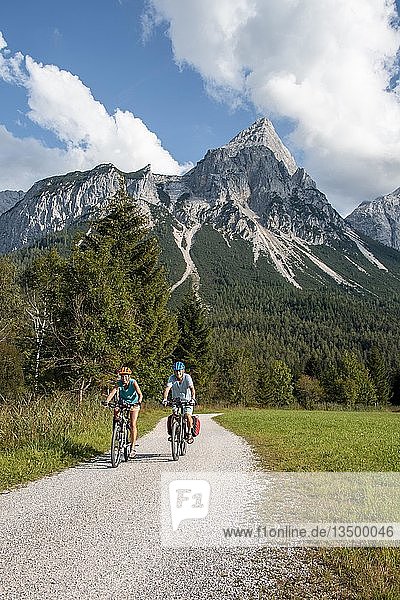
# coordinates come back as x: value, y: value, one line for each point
x: 120, y: 436
x: 179, y: 431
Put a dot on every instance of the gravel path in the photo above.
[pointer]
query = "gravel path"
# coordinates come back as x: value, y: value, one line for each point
x: 94, y: 532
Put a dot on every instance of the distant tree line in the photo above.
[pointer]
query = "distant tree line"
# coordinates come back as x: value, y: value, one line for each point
x: 274, y: 345
x: 241, y: 378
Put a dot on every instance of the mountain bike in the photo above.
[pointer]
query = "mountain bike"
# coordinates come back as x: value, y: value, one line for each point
x: 179, y: 429
x: 120, y: 444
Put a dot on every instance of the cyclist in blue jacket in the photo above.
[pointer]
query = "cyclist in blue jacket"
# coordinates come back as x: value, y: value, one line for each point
x: 129, y: 393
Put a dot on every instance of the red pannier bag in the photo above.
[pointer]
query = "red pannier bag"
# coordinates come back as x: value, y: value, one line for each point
x: 196, y: 426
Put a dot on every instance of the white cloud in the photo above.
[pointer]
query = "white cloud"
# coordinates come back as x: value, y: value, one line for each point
x: 24, y: 161
x: 59, y: 102
x: 325, y: 65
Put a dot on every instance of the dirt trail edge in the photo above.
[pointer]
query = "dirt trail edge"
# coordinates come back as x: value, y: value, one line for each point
x: 94, y: 532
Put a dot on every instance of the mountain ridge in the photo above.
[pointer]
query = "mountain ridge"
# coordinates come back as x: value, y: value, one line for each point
x: 262, y: 133
x: 251, y: 188
x: 379, y: 219
x: 8, y: 199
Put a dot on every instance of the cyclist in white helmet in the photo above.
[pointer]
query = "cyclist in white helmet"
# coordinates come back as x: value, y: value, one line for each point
x: 182, y: 388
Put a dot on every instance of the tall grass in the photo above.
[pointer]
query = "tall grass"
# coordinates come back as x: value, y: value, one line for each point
x: 41, y: 436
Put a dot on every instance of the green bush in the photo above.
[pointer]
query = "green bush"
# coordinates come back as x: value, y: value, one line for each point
x: 11, y: 373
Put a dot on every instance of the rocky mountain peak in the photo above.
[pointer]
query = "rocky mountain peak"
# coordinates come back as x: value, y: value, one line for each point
x: 9, y: 198
x: 262, y: 133
x: 249, y: 189
x: 379, y: 219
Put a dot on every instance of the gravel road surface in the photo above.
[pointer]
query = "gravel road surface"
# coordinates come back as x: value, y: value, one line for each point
x: 94, y: 532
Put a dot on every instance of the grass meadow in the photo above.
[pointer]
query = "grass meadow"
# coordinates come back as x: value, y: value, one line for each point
x: 294, y: 440
x: 299, y: 440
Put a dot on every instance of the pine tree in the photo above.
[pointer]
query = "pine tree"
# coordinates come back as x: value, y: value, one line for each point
x: 395, y: 389
x: 42, y: 283
x: 354, y: 384
x: 380, y: 376
x: 111, y: 305
x: 10, y: 300
x: 234, y: 379
x: 194, y: 338
x: 11, y: 315
x: 276, y: 389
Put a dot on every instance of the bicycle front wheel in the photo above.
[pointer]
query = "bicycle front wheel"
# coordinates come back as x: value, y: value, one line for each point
x: 116, y: 445
x: 127, y: 446
x: 183, y: 442
x: 175, y: 433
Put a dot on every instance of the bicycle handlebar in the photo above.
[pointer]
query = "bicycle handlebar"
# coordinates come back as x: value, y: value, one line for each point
x: 177, y: 401
x: 119, y: 404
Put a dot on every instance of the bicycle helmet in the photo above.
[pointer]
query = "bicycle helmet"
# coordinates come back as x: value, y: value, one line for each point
x: 178, y: 366
x: 125, y: 371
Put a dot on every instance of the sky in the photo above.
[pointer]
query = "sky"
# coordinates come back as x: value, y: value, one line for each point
x: 133, y: 82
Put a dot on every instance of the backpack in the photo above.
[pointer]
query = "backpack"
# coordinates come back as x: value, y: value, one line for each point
x: 196, y: 426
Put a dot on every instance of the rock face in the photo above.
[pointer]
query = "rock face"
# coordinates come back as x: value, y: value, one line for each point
x: 262, y: 134
x: 53, y: 203
x: 379, y: 219
x: 250, y: 188
x: 8, y: 199
x: 254, y: 179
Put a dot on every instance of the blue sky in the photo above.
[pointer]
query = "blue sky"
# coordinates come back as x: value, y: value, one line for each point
x: 102, y: 43
x: 194, y: 74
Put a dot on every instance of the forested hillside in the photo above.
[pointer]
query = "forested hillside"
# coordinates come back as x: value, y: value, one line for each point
x: 73, y: 311
x: 317, y: 341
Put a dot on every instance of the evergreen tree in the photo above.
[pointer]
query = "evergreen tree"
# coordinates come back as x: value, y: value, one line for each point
x: 43, y: 283
x: 396, y: 388
x: 276, y: 388
x: 380, y: 376
x: 354, y: 384
x: 10, y: 300
x: 194, y: 338
x: 314, y: 366
x: 234, y: 379
x: 329, y: 381
x: 11, y: 316
x: 111, y: 305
